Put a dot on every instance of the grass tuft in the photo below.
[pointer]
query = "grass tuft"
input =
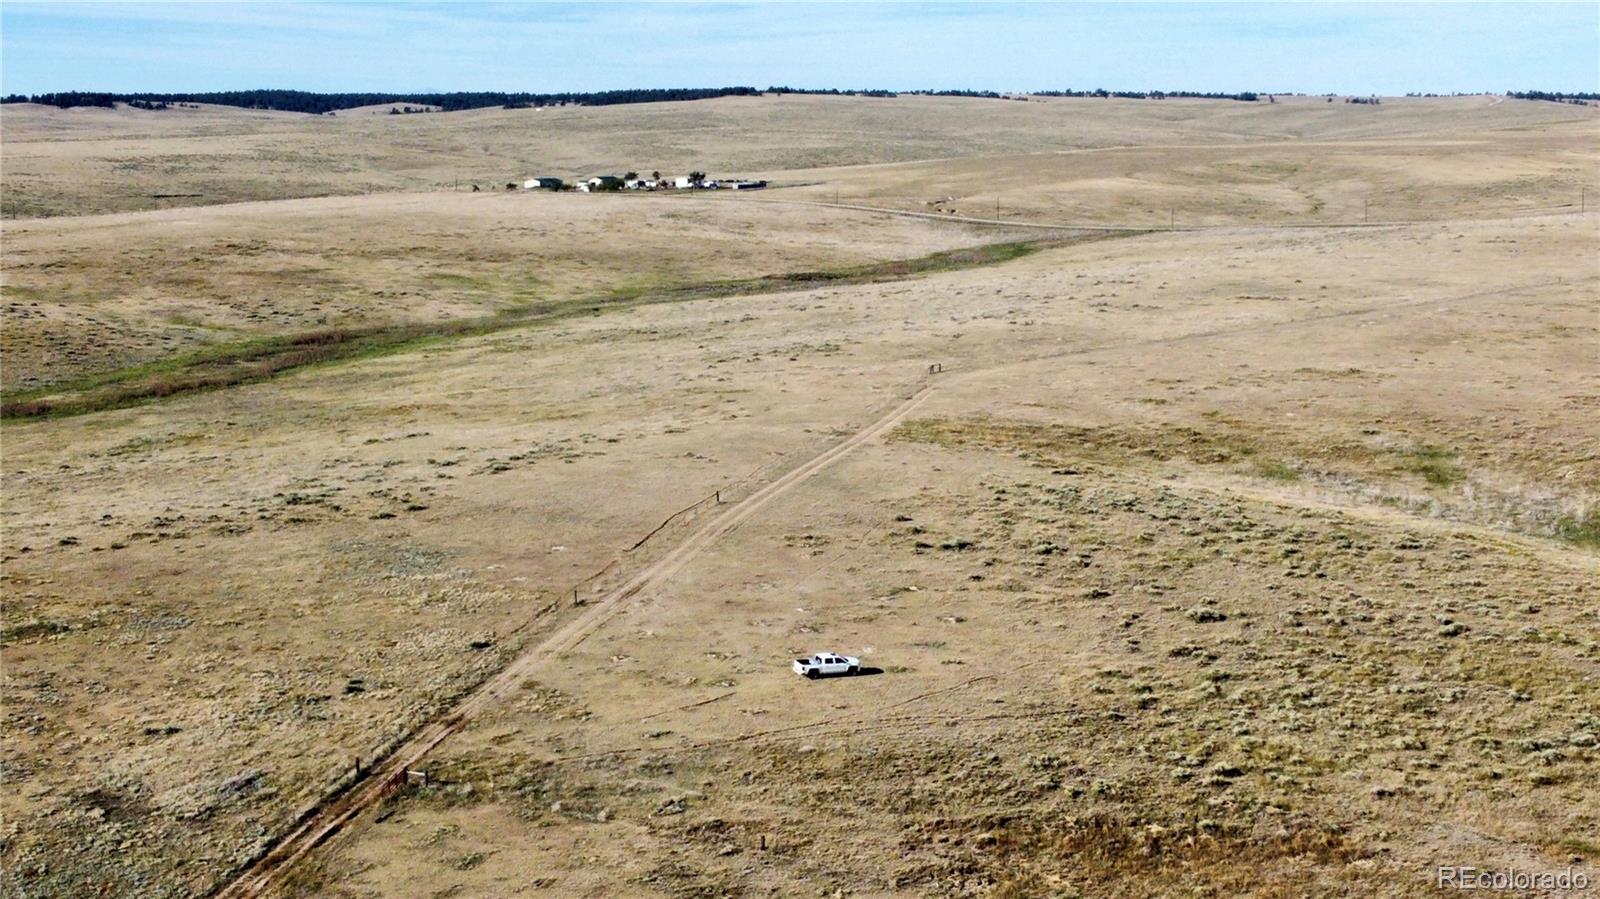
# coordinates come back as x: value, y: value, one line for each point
x: 1436, y: 465
x: 1582, y: 530
x: 1276, y: 470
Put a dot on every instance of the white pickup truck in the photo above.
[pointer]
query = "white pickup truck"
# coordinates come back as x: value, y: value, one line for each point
x: 824, y: 664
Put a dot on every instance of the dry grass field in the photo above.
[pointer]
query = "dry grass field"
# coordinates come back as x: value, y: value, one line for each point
x: 1248, y: 560
x: 1306, y: 158
x: 92, y: 294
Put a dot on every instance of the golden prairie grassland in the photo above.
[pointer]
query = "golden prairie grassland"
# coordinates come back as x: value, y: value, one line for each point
x: 1253, y: 560
x: 89, y: 295
x: 1299, y: 159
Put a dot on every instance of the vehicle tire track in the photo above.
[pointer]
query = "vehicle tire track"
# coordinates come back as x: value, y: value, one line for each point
x: 330, y: 817
x: 1518, y: 212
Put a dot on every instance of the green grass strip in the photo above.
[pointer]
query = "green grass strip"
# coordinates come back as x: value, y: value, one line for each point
x: 250, y: 361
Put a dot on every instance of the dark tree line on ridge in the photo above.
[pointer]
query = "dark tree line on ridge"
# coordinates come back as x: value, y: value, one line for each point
x: 1246, y: 96
x: 319, y: 104
x: 1554, y: 96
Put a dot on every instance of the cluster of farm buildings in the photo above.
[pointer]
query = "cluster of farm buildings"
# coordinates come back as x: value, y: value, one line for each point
x: 613, y: 182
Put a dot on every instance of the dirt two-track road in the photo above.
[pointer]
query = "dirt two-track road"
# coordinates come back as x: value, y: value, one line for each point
x: 390, y: 773
x: 1243, y: 546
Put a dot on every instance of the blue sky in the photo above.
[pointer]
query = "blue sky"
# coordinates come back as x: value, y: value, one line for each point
x: 1309, y: 47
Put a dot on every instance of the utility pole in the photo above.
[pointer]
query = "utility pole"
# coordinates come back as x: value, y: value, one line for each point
x: 996, y: 207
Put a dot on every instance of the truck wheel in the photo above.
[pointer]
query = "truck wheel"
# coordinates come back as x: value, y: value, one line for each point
x: 852, y: 671
x: 812, y: 674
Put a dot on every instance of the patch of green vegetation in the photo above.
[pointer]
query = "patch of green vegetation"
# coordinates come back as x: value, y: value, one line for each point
x: 182, y: 320
x: 453, y: 280
x: 231, y: 364
x: 22, y: 293
x: 638, y: 288
x: 468, y: 862
x: 1276, y: 470
x: 146, y: 444
x: 1581, y: 846
x: 1060, y: 442
x: 1529, y: 671
x: 1583, y: 530
x: 1435, y: 463
x: 37, y: 627
x: 1029, y: 854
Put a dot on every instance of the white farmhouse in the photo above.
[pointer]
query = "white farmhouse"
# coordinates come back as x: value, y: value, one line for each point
x: 601, y: 182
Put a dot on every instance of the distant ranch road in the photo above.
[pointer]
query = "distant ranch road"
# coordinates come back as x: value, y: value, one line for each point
x: 1528, y: 212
